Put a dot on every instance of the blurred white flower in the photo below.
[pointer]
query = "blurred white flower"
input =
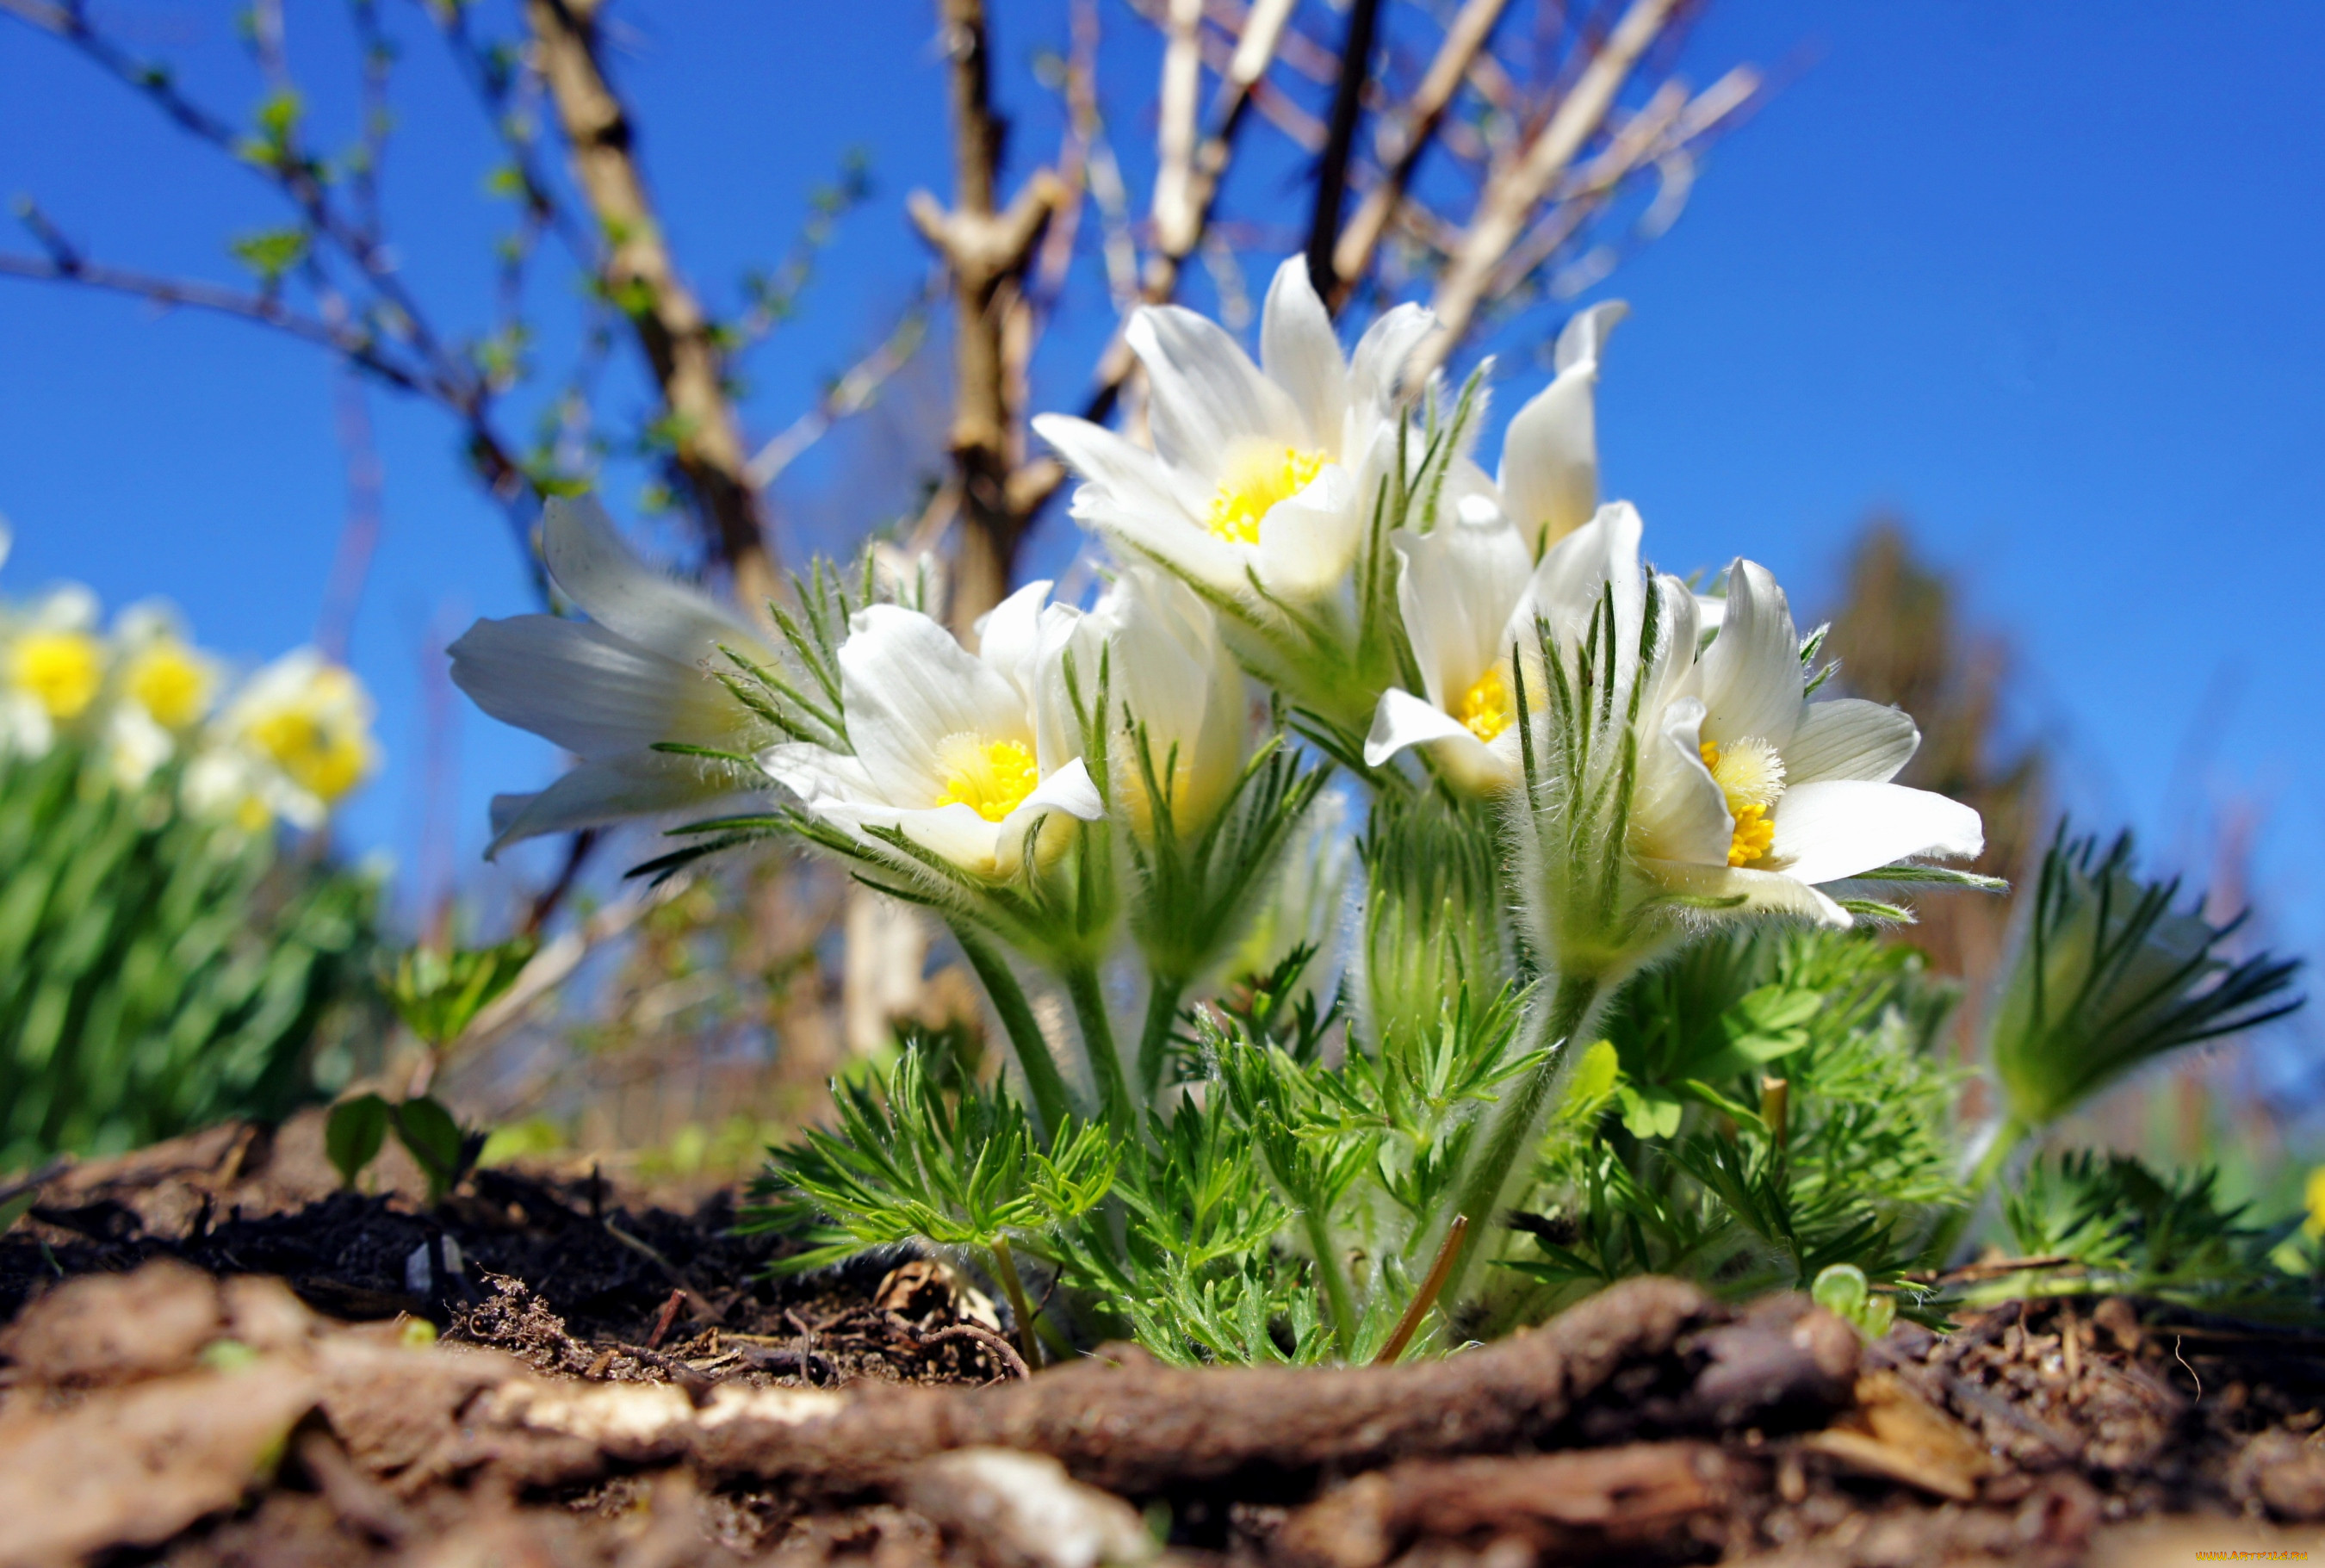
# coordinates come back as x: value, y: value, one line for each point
x: 1264, y: 471
x: 53, y: 667
x: 965, y: 754
x: 173, y: 681
x: 302, y: 726
x: 1173, y: 678
x: 637, y: 674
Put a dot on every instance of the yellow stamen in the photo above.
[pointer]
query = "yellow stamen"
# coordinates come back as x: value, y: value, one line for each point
x: 324, y: 759
x: 170, y: 685
x: 1486, y: 708
x: 1751, y: 774
x: 1753, y: 834
x: 991, y: 777
x: 1258, y: 475
x: 64, y: 670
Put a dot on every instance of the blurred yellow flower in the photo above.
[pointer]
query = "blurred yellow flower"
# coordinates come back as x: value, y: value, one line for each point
x: 170, y: 682
x: 2314, y: 1196
x: 63, y: 669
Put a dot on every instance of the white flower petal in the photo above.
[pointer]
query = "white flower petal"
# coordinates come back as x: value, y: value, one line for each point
x: 1763, y: 892
x: 1837, y: 829
x: 1307, y: 541
x: 1131, y: 499
x: 1458, y: 586
x: 588, y: 689
x: 1583, y: 339
x: 1403, y: 719
x: 1206, y: 390
x: 1299, y: 353
x: 1680, y: 811
x: 1675, y: 639
x: 642, y: 784
x: 1376, y: 369
x: 1570, y: 583
x: 1849, y: 738
x: 1009, y: 636
x: 957, y: 833
x: 817, y: 776
x: 598, y: 572
x: 1750, y: 677
x: 1549, y: 453
x: 1068, y: 789
x: 907, y: 686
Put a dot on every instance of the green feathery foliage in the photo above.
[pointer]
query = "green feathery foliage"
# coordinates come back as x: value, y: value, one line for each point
x: 159, y: 971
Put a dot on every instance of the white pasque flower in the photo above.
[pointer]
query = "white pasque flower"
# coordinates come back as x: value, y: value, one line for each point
x: 638, y: 674
x: 964, y: 753
x: 1467, y: 590
x: 1750, y: 791
x: 1549, y: 483
x: 1171, y: 675
x: 1266, y: 470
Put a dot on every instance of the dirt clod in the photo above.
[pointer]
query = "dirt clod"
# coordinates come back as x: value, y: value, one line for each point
x: 234, y: 1368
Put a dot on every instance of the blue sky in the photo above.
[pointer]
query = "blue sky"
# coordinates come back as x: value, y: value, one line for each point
x: 2043, y: 280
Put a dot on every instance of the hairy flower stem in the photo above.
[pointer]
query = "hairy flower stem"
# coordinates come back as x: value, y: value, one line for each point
x: 2002, y: 1142
x: 1154, y: 1041
x: 1332, y: 1270
x: 1005, y: 1269
x: 1051, y: 1102
x: 1506, y: 1154
x: 1097, y: 1038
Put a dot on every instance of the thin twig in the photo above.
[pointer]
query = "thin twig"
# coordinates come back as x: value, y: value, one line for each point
x: 1512, y: 196
x: 987, y: 248
x: 1033, y: 484
x: 851, y: 393
x: 1470, y: 31
x: 640, y: 272
x: 1176, y: 107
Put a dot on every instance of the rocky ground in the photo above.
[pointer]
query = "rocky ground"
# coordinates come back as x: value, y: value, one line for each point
x: 214, y: 1356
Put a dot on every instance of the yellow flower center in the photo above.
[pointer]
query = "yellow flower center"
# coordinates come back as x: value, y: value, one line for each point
x: 1258, y: 475
x: 170, y: 685
x: 1751, y: 774
x: 64, y: 670
x: 1486, y: 708
x: 323, y: 758
x: 991, y: 777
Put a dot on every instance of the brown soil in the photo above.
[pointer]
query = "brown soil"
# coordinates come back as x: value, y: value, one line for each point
x: 216, y: 1357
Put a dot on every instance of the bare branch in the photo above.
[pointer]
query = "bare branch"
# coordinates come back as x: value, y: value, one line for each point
x: 1512, y: 195
x: 1671, y: 124
x: 1264, y: 28
x: 1174, y: 142
x: 987, y: 250
x: 1471, y: 30
x: 1102, y: 174
x: 643, y: 279
x: 1340, y: 144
